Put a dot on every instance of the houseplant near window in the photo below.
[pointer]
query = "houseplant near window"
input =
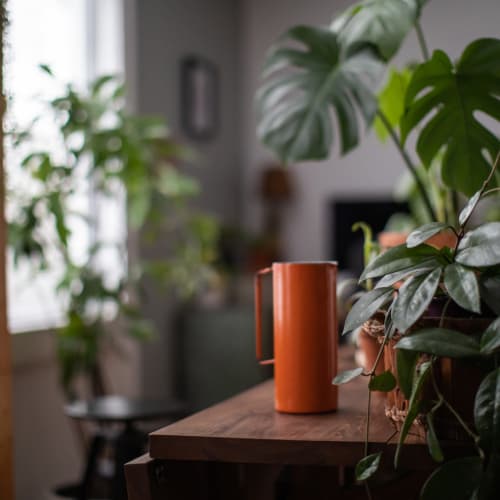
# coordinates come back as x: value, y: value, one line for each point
x: 319, y: 84
x: 104, y: 152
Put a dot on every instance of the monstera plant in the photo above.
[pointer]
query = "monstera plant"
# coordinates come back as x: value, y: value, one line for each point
x: 320, y: 88
x: 100, y: 151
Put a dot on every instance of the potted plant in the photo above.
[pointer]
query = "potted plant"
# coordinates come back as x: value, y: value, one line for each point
x: 319, y: 84
x: 104, y: 152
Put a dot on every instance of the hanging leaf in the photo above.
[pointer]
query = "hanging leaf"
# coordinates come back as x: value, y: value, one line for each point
x: 417, y: 270
x: 399, y: 258
x: 440, y: 342
x: 413, y: 299
x: 481, y: 246
x: 366, y: 307
x: 347, y: 376
x: 454, y: 95
x: 367, y: 466
x: 384, y: 382
x: 413, y: 407
x: 383, y: 23
x: 487, y: 411
x: 461, y: 284
x: 432, y: 440
x: 423, y: 233
x: 490, y: 340
x: 456, y: 479
x: 296, y: 106
x: 406, y: 361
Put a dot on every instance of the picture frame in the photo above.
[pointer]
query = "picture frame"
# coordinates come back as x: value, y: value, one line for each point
x: 199, y: 98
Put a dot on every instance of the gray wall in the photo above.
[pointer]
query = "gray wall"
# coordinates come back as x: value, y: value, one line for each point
x: 165, y: 31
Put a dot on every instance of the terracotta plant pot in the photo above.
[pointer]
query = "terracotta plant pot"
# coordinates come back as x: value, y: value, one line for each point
x: 457, y: 379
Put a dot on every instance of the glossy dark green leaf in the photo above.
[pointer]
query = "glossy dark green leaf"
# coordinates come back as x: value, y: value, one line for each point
x: 384, y: 382
x: 489, y: 287
x: 487, y: 411
x: 490, y: 480
x: 363, y: 309
x: 383, y: 23
x: 462, y: 286
x: 423, y: 233
x: 490, y: 340
x: 432, y: 441
x: 440, y: 342
x: 399, y: 258
x: 452, y: 96
x: 481, y: 246
x: 422, y: 373
x: 367, y: 466
x: 456, y: 479
x: 469, y: 208
x: 296, y: 107
x: 347, y: 376
x: 413, y: 299
x: 406, y: 362
x: 417, y: 270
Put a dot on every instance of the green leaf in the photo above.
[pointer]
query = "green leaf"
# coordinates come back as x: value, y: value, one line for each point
x: 413, y: 299
x: 489, y: 286
x: 440, y: 342
x: 481, y: 246
x: 46, y: 69
x: 369, y: 303
x: 461, y: 284
x: 296, y: 108
x: 406, y: 361
x: 384, y: 382
x: 452, y: 96
x: 432, y: 440
x: 413, y: 407
x: 347, y: 376
x: 383, y: 23
x: 456, y: 479
x: 417, y: 270
x: 423, y: 233
x: 100, y: 82
x: 487, y: 411
x: 490, y: 340
x: 367, y: 466
x: 399, y: 258
x: 391, y: 101
x: 469, y: 208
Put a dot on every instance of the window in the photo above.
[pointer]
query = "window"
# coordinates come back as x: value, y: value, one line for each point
x: 79, y: 40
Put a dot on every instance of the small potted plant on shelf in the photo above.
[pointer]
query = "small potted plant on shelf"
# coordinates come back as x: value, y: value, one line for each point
x: 319, y: 84
x: 97, y: 152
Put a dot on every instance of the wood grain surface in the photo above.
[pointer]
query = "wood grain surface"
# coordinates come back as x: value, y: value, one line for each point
x: 6, y: 467
x: 247, y: 429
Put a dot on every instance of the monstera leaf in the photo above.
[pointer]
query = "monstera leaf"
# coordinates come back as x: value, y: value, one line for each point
x: 455, y: 94
x: 384, y: 23
x: 305, y: 84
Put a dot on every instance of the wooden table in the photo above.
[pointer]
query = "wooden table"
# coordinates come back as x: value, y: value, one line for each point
x: 242, y: 448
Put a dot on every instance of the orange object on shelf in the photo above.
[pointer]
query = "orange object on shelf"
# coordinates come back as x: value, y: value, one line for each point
x: 305, y: 335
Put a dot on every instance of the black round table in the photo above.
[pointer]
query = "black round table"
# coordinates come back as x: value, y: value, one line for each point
x: 126, y: 444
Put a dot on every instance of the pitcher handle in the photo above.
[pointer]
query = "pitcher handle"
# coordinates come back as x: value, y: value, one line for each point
x: 258, y: 315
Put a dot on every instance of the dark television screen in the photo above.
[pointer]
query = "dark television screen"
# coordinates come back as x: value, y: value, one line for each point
x: 346, y: 247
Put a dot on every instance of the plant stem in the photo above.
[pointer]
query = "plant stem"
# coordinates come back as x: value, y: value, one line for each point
x: 409, y: 165
x: 368, y: 413
x: 421, y: 40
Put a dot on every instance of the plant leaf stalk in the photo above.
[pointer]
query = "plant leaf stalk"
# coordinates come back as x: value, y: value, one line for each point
x: 409, y: 164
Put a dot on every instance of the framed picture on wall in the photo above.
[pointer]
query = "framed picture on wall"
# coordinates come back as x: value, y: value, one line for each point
x: 199, y: 98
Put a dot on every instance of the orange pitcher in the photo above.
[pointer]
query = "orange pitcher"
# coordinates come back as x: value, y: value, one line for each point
x: 305, y: 334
